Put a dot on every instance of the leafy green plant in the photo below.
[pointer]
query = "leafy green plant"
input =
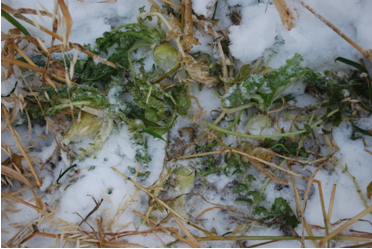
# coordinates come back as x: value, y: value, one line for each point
x: 262, y: 89
x: 284, y: 145
x: 279, y: 209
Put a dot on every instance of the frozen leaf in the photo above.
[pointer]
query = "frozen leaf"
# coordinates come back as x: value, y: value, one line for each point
x: 258, y: 122
x: 243, y: 74
x: 184, y: 177
x: 88, y: 126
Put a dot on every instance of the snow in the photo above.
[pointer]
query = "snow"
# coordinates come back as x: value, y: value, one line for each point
x: 260, y: 33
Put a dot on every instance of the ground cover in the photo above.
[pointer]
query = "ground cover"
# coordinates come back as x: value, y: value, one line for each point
x: 186, y: 123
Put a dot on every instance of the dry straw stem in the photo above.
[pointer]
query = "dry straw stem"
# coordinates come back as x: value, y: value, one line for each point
x: 170, y: 231
x: 64, y: 47
x: 193, y: 241
x: 173, y: 4
x: 30, y: 67
x: 243, y: 154
x: 33, y: 64
x: 277, y: 238
x: 309, y: 183
x: 66, y: 18
x: 3, y: 194
x: 344, y: 226
x: 162, y: 203
x: 16, y: 175
x: 5, y: 114
x: 366, y: 53
x: 331, y: 203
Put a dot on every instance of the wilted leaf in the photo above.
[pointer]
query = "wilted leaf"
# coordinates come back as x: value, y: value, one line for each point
x: 369, y: 190
x: 243, y: 74
x: 286, y: 15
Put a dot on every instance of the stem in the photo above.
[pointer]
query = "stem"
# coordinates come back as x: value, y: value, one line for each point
x: 237, y: 238
x: 267, y: 136
x: 131, y: 50
x: 167, y: 74
x: 239, y: 108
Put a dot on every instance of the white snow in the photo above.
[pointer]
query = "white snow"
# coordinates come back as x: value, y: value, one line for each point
x: 260, y: 34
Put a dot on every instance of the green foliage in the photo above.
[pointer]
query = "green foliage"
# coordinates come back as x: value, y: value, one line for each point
x: 357, y: 130
x: 280, y: 209
x: 142, y: 176
x: 14, y: 22
x: 61, y: 174
x: 159, y: 105
x: 116, y: 45
x: 264, y: 89
x: 284, y: 145
x: 235, y: 163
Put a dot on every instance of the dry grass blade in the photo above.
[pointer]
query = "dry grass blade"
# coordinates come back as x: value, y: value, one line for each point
x: 165, y: 229
x: 16, y: 175
x: 33, y: 64
x: 308, y: 229
x: 56, y: 36
x: 5, y: 114
x: 23, y: 202
x: 66, y: 18
x: 31, y: 67
x: 309, y: 183
x: 173, y: 4
x: 267, y: 173
x: 344, y: 226
x: 331, y: 202
x: 162, y: 203
x: 285, y: 13
x: 194, y: 242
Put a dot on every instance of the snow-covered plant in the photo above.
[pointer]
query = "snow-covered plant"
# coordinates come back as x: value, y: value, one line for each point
x: 262, y: 89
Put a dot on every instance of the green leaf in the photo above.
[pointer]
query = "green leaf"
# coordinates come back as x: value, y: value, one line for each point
x: 64, y: 172
x: 243, y: 74
x: 279, y: 208
x: 251, y: 178
x: 14, y: 22
x: 265, y: 89
x: 240, y: 188
x: 352, y: 63
x: 357, y: 129
x: 256, y: 196
x: 244, y: 199
x: 154, y: 134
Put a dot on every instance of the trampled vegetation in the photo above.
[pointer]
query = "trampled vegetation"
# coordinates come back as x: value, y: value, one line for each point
x: 87, y: 93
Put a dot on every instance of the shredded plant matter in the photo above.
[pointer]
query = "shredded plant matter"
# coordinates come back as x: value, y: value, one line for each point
x: 158, y: 127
